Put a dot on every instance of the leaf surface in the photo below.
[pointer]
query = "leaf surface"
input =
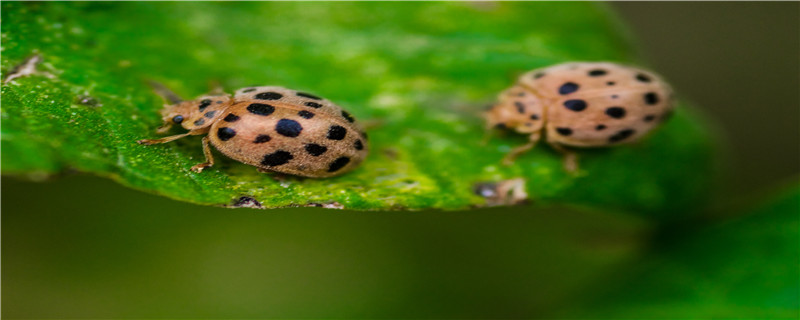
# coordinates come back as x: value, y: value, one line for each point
x: 422, y: 71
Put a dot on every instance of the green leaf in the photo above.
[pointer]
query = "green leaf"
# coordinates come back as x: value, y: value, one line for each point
x: 424, y: 71
x: 744, y: 268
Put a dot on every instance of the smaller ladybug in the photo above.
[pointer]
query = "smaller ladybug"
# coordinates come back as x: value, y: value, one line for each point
x: 272, y: 128
x: 581, y: 104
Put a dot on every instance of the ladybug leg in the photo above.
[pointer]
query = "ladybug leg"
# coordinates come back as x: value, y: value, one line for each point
x: 514, y: 153
x: 570, y: 159
x: 262, y: 170
x: 164, y: 128
x: 148, y: 142
x: 277, y: 176
x: 209, y: 157
x: 499, y: 128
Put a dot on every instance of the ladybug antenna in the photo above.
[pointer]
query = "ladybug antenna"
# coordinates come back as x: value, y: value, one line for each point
x: 168, y: 96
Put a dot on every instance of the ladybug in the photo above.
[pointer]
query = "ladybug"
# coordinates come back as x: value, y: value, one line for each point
x: 272, y: 128
x: 581, y: 104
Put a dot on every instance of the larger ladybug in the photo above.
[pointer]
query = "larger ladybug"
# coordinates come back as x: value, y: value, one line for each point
x: 272, y: 128
x: 581, y: 104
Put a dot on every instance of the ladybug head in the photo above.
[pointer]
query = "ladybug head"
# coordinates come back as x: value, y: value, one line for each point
x: 191, y: 114
x: 500, y: 116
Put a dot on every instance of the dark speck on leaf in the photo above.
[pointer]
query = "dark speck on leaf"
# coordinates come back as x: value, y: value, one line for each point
x: 88, y: 101
x: 486, y: 189
x: 247, y: 202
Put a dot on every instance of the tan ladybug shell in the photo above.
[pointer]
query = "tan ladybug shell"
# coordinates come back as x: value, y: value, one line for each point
x: 584, y: 104
x: 291, y: 132
x: 278, y: 129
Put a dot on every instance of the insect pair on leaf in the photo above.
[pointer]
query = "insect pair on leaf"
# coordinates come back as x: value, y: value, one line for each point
x: 578, y: 104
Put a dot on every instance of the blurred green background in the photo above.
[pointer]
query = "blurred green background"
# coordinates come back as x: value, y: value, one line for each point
x: 85, y: 247
x: 738, y: 61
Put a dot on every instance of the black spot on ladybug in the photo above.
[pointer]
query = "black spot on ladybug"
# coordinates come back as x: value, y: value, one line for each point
x: 621, y: 135
x: 313, y: 104
x: 336, y: 132
x: 231, y: 118
x: 289, y: 128
x: 347, y: 116
x: 210, y: 114
x: 269, y: 96
x: 200, y: 122
x: 305, y: 114
x: 564, y: 131
x: 177, y: 119
x: 277, y: 158
x: 534, y: 117
x: 204, y: 104
x: 600, y: 127
x: 338, y: 164
x: 261, y: 138
x: 649, y: 118
x: 643, y: 78
x: 261, y: 109
x: 520, y: 107
x: 616, y: 112
x: 597, y: 73
x: 358, y: 145
x: 651, y: 98
x: 568, y: 88
x: 610, y: 83
x: 501, y: 126
x: 538, y: 75
x: 315, y: 149
x: 248, y: 90
x: 308, y: 95
x: 225, y: 133
x: 575, y: 104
